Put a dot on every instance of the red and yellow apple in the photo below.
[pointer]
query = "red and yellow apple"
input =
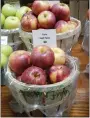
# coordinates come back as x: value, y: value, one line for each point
x: 29, y: 22
x: 72, y: 25
x: 34, y: 75
x: 19, y: 61
x: 38, y: 6
x: 42, y: 56
x: 60, y: 57
x: 61, y: 26
x: 46, y: 19
x: 61, y: 11
x: 58, y: 73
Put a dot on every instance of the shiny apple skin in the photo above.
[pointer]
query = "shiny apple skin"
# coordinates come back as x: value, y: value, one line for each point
x: 61, y: 26
x: 58, y: 73
x: 46, y: 20
x: 61, y: 11
x: 34, y: 75
x: 42, y: 56
x: 38, y: 6
x: 19, y: 61
x: 29, y: 22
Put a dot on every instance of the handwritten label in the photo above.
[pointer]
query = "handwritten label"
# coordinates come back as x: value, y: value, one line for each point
x: 4, y: 40
x: 44, y: 37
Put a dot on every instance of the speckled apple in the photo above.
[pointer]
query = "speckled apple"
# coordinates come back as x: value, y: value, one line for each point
x: 29, y: 22
x: 58, y: 73
x: 46, y: 19
x: 38, y: 6
x: 61, y: 26
x: 60, y: 57
x: 34, y: 75
x: 42, y: 56
x: 61, y: 11
x: 19, y: 61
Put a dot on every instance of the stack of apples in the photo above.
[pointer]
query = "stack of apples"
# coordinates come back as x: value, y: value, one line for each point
x: 10, y: 16
x: 42, y: 66
x: 45, y: 16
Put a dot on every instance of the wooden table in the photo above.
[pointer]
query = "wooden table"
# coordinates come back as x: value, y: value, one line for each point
x: 81, y: 106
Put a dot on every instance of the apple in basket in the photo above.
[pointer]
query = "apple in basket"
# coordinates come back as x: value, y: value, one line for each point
x: 46, y: 19
x: 42, y: 56
x: 34, y: 75
x: 72, y: 25
x: 57, y: 73
x: 21, y: 11
x: 29, y: 22
x: 61, y: 26
x: 38, y: 6
x: 8, y: 10
x: 60, y: 57
x: 19, y: 61
x: 61, y: 11
x: 11, y: 22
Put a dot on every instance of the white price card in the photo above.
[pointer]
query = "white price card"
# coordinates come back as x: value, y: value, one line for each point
x: 4, y: 40
x: 44, y: 37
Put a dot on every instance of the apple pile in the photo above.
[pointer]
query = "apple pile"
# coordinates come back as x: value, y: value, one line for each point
x: 6, y: 50
x: 44, y: 65
x: 10, y: 16
x: 45, y: 16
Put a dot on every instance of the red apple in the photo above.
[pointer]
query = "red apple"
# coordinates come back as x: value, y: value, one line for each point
x: 19, y: 61
x: 34, y: 75
x: 88, y: 14
x: 42, y: 56
x: 61, y: 11
x: 58, y: 73
x: 72, y: 25
x: 46, y: 19
x: 61, y: 26
x: 29, y: 22
x: 38, y: 6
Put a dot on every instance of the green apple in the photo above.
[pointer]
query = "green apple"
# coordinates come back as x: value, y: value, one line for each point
x: 3, y: 60
x: 8, y: 10
x: 11, y: 22
x: 2, y: 19
x: 6, y: 50
x: 22, y: 11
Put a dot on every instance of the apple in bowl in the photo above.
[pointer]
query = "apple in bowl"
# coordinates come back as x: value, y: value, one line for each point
x: 46, y: 19
x: 19, y: 61
x: 61, y: 11
x: 29, y: 22
x: 38, y: 6
x: 58, y: 73
x: 34, y: 75
x: 60, y: 57
x: 42, y: 56
x: 61, y: 26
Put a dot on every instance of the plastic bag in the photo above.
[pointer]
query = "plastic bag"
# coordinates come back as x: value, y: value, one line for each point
x: 54, y: 98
